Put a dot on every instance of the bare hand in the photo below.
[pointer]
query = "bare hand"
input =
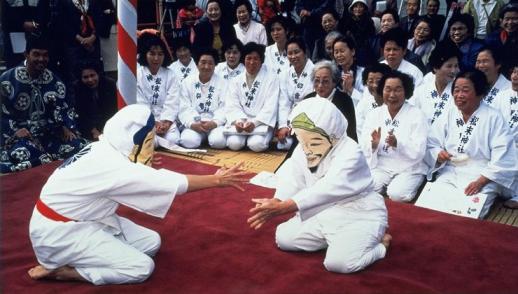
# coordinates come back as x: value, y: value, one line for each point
x: 68, y: 135
x: 22, y: 133
x: 95, y: 134
x: 376, y: 137
x: 267, y: 208
x: 30, y: 26
x: 282, y: 134
x: 475, y: 186
x: 391, y: 139
x: 443, y: 156
x: 304, y: 13
x: 162, y: 126
x: 347, y: 82
x: 233, y: 176
x: 249, y: 127
x: 198, y: 127
x: 209, y: 125
x: 239, y: 126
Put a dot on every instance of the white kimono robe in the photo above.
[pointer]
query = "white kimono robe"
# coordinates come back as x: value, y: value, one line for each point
x: 401, y: 170
x: 225, y: 72
x: 257, y: 104
x: 181, y: 71
x: 365, y: 105
x: 276, y: 61
x: 486, y: 139
x: 103, y: 247
x: 432, y: 104
x: 254, y: 33
x: 413, y: 71
x: 337, y: 207
x: 202, y: 102
x: 160, y: 93
x: 501, y: 84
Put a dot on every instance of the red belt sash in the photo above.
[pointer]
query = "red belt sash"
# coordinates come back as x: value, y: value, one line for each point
x: 50, y: 213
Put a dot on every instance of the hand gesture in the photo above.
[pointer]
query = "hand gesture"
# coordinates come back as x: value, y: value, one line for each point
x: 282, y: 134
x: 376, y: 137
x: 249, y: 127
x: 209, y: 125
x: 475, y: 186
x: 22, y: 133
x: 267, y: 208
x: 198, y: 127
x: 348, y: 82
x: 443, y: 156
x: 391, y: 139
x: 232, y: 176
x: 68, y: 135
x: 239, y: 126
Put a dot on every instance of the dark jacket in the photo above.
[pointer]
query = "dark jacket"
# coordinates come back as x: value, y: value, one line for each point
x: 345, y: 104
x: 205, y: 33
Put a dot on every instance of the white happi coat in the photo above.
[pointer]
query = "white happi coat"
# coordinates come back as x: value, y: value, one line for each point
x: 413, y: 71
x: 159, y: 92
x: 181, y: 71
x: 410, y: 128
x: 486, y: 139
x: 365, y: 105
x: 254, y: 33
x: 432, y: 104
x: 224, y: 71
x: 337, y: 207
x: 507, y: 102
x: 89, y: 188
x: 293, y: 89
x: 276, y: 61
x: 257, y: 103
x: 202, y: 101
x: 501, y: 84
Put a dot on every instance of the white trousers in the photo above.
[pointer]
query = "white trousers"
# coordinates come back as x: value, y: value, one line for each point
x: 351, y: 235
x: 400, y: 187
x: 192, y: 139
x: 172, y: 135
x: 285, y: 146
x: 91, y: 248
x: 256, y: 143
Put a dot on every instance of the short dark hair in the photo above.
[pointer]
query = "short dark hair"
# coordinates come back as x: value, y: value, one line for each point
x: 397, y: 35
x: 438, y: 3
x: 406, y: 80
x: 477, y: 78
x: 37, y: 42
x: 285, y: 22
x: 332, y: 12
x: 253, y: 47
x: 376, y: 67
x: 233, y: 42
x: 88, y: 64
x: 246, y: 3
x: 144, y: 44
x: 206, y: 51
x: 495, y: 53
x: 347, y: 39
x: 441, y: 53
x: 509, y: 7
x: 428, y: 21
x: 299, y: 41
x: 464, y: 18
x: 394, y: 13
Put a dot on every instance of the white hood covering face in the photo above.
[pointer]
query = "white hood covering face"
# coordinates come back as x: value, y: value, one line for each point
x: 128, y: 127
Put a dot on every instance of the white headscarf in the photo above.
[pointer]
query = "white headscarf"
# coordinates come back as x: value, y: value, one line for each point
x: 128, y: 128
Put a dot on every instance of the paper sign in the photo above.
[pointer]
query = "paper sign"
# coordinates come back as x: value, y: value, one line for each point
x: 265, y: 179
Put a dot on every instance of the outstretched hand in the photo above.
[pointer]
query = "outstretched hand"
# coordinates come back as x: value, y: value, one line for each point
x: 267, y: 208
x: 232, y: 176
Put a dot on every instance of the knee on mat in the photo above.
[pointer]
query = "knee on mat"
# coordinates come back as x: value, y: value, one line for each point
x: 235, y: 143
x: 190, y: 141
x: 257, y: 145
x: 399, y: 195
x: 284, y: 240
x: 143, y: 267
x: 155, y: 242
x: 217, y: 143
x: 342, y: 266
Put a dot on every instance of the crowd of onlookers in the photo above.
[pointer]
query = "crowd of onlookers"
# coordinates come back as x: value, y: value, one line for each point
x: 411, y: 82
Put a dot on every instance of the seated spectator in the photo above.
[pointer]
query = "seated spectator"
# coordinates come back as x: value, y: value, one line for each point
x: 344, y: 51
x: 434, y: 95
x: 184, y: 65
x: 389, y: 19
x: 422, y: 42
x: 437, y: 21
x: 507, y: 103
x: 371, y: 99
x: 329, y: 40
x: 202, y: 105
x: 96, y: 99
x: 295, y: 85
x: 247, y: 29
x: 38, y: 123
x: 275, y: 57
x: 188, y: 15
x: 485, y: 15
x: 409, y: 22
x: 471, y: 148
x: 251, y: 107
x: 329, y: 24
x: 158, y: 86
x: 394, y: 140
x: 460, y: 28
x: 394, y: 44
x: 360, y: 25
x: 232, y: 66
x: 489, y: 61
x: 325, y: 77
x: 327, y: 182
x: 506, y: 37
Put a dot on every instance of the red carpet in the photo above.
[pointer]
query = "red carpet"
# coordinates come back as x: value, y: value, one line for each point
x: 207, y: 247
